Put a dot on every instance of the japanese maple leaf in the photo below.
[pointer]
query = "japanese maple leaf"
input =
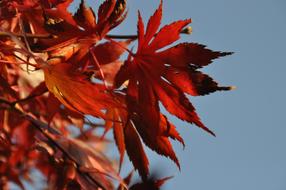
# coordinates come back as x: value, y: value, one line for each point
x: 77, y: 92
x: 84, y: 23
x: 87, y: 32
x: 164, y: 75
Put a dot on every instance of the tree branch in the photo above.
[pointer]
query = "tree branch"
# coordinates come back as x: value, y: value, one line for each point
x: 43, y: 128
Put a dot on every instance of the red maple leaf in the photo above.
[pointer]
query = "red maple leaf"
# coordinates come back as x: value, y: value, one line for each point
x: 77, y: 92
x: 157, y: 75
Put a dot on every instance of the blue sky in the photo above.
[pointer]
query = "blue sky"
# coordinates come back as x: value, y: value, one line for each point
x: 249, y: 150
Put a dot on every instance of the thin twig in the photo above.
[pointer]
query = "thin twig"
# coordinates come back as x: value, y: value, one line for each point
x: 28, y: 35
x: 132, y: 37
x: 99, y: 68
x: 187, y: 30
x: 29, y: 97
x: 24, y: 35
x: 58, y: 146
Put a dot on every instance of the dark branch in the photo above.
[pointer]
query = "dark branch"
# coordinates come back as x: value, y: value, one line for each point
x: 28, y: 35
x: 187, y: 30
x: 44, y: 128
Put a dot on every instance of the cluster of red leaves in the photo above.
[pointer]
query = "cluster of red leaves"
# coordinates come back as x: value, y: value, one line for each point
x: 57, y: 67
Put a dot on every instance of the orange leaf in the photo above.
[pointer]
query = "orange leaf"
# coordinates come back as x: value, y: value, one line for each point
x: 76, y: 92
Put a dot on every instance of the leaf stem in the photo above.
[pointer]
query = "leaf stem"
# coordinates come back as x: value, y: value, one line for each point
x: 28, y: 97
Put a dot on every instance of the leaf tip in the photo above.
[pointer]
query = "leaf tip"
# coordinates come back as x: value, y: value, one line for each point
x: 210, y: 132
x: 226, y: 53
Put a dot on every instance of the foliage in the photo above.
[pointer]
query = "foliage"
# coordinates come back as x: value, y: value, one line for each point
x: 57, y: 67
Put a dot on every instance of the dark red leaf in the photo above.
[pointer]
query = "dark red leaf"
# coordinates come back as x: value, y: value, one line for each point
x: 118, y: 133
x: 185, y: 54
x: 135, y: 150
x: 165, y: 76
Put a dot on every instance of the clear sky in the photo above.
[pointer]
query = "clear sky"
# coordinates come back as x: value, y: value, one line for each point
x: 249, y: 150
